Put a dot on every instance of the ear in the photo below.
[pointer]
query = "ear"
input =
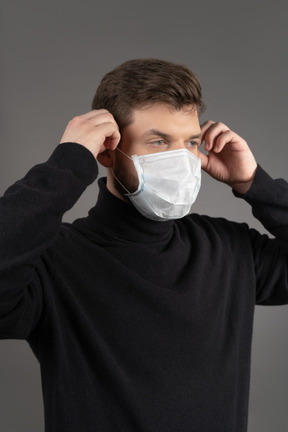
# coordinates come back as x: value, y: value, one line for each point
x: 105, y: 158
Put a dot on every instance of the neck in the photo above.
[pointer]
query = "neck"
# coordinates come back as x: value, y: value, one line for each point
x: 115, y: 216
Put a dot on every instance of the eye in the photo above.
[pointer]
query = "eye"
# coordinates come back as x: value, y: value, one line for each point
x: 158, y: 143
x: 192, y: 144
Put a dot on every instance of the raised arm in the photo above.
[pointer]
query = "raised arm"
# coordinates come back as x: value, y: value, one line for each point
x: 31, y: 213
x: 231, y: 161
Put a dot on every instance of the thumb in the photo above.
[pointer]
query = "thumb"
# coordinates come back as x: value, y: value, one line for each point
x: 204, y: 160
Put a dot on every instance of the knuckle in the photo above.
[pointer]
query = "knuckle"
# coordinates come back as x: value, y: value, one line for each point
x: 208, y: 123
x: 110, y: 117
x: 222, y: 125
x: 75, y: 120
x: 103, y: 111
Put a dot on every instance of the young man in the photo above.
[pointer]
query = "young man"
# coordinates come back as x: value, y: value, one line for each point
x: 141, y: 314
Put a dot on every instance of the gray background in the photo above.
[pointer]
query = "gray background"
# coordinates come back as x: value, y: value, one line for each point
x: 53, y: 55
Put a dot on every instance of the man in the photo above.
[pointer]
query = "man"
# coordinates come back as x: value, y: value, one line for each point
x: 141, y: 314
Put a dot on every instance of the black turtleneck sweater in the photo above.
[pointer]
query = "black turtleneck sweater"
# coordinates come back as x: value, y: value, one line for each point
x: 139, y: 326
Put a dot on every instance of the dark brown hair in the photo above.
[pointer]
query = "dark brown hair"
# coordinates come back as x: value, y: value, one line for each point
x: 142, y: 82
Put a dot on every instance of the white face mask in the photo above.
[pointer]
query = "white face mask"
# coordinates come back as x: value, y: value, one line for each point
x: 169, y: 183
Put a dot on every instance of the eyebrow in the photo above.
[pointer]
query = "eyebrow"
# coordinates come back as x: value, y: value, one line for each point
x: 156, y: 132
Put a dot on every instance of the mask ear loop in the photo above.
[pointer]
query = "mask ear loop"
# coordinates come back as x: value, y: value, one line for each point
x: 115, y: 175
x: 119, y: 181
x: 121, y: 151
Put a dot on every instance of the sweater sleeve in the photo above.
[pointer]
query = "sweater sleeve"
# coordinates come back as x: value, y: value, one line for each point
x: 31, y: 212
x: 269, y: 201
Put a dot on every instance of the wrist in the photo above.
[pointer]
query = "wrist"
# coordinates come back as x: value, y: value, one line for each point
x: 243, y: 187
x: 75, y: 157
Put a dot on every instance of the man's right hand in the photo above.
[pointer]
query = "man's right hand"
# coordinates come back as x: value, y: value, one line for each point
x: 96, y: 130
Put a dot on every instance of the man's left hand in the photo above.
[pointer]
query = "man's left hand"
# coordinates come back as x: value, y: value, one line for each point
x: 229, y: 158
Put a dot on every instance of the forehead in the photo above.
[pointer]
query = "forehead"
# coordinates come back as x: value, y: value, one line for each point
x: 165, y: 118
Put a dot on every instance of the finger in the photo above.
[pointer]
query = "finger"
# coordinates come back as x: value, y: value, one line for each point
x: 204, y: 160
x: 227, y: 137
x: 110, y: 133
x: 93, y: 114
x: 102, y: 116
x: 221, y: 141
x: 213, y: 132
x: 205, y: 128
x: 92, y: 118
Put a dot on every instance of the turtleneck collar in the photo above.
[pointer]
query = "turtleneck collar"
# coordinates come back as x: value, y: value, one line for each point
x: 122, y: 220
